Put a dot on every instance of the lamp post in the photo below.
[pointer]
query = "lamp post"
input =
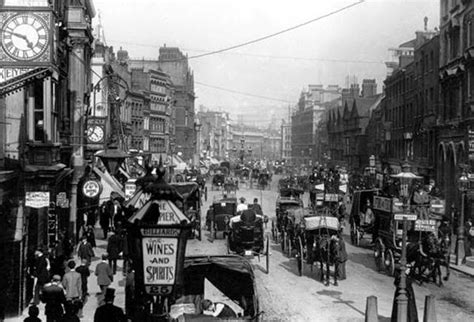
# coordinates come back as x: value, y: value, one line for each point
x: 463, y: 186
x: 402, y: 299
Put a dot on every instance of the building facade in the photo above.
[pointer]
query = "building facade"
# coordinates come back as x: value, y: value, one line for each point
x: 44, y: 93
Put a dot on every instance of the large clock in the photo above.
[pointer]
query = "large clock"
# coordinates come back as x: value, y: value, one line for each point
x: 25, y: 36
x: 95, y: 133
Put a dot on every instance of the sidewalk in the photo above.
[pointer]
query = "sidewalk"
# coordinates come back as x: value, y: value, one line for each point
x: 462, y: 268
x: 93, y: 299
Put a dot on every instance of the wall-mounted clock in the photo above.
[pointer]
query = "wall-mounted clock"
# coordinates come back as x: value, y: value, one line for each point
x: 25, y: 36
x: 91, y: 188
x: 95, y: 133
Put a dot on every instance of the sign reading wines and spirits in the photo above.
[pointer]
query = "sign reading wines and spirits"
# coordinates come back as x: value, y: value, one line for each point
x: 159, y: 260
x: 37, y: 199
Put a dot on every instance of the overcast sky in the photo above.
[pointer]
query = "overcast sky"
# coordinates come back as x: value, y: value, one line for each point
x: 354, y: 42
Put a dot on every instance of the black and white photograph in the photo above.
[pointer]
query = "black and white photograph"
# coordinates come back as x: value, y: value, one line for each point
x: 222, y: 160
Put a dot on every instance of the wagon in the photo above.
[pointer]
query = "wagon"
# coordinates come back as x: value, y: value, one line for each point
x: 223, y: 210
x: 232, y: 275
x: 315, y: 230
x: 247, y: 236
x: 288, y: 199
x: 360, y: 199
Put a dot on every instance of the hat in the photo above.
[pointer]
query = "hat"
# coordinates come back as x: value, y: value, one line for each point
x: 56, y: 278
x: 109, y: 293
x: 242, y: 199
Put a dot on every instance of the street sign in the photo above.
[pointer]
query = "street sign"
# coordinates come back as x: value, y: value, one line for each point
x: 425, y: 225
x: 37, y: 199
x: 409, y: 217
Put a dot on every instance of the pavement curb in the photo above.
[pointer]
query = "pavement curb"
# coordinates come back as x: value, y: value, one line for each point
x: 461, y: 270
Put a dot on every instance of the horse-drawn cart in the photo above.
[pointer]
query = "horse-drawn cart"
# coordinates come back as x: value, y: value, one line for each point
x: 224, y: 208
x: 247, y: 236
x: 319, y: 242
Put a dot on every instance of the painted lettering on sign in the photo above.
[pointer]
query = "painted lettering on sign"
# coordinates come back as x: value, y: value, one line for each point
x: 9, y: 73
x: 382, y: 203
x: 159, y: 260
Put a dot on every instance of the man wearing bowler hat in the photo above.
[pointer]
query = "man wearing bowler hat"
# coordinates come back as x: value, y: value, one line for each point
x: 108, y: 311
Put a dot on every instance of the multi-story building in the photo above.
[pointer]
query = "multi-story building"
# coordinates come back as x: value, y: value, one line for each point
x: 174, y: 63
x: 305, y: 120
x: 455, y: 113
x: 44, y: 92
x: 214, y: 133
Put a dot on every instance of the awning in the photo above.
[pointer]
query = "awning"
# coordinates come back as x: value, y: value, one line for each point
x: 18, y: 82
x: 109, y: 185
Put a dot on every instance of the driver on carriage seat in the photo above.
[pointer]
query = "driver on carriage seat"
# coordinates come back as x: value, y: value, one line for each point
x: 242, y: 205
x: 368, y: 218
x: 256, y: 207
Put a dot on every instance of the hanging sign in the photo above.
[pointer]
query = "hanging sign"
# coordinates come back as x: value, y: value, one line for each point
x: 61, y: 200
x: 91, y: 188
x: 37, y: 199
x: 382, y: 203
x: 425, y: 225
x: 159, y: 260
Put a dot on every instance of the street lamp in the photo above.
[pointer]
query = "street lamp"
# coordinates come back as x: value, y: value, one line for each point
x: 463, y: 183
x: 402, y: 300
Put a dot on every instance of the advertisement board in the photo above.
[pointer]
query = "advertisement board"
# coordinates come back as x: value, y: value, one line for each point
x: 37, y: 199
x: 159, y: 260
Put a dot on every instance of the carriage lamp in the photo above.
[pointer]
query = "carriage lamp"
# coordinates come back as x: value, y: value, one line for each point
x: 463, y: 185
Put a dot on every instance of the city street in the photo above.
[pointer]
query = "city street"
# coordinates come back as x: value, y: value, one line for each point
x: 284, y: 296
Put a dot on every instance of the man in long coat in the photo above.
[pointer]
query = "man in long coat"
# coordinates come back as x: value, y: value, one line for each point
x: 40, y: 273
x: 108, y: 311
x: 53, y: 296
x: 114, y: 248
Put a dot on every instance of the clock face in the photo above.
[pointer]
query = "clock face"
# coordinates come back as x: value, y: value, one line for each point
x: 25, y: 36
x: 95, y: 133
x: 91, y: 188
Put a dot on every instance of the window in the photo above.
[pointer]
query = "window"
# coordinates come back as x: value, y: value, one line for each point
x: 38, y: 112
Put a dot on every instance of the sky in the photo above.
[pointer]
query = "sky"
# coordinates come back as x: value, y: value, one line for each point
x: 352, y: 42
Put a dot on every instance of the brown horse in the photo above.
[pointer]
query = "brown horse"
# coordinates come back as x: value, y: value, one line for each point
x: 327, y: 251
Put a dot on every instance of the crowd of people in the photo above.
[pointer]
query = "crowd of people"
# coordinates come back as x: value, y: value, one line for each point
x: 61, y: 273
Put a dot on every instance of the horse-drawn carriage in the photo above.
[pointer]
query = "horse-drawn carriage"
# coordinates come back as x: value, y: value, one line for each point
x: 224, y: 208
x: 319, y: 241
x: 425, y: 252
x: 247, y: 236
x: 264, y: 179
x: 289, y: 198
x: 218, y: 180
x: 244, y: 174
x: 230, y: 186
x: 232, y: 275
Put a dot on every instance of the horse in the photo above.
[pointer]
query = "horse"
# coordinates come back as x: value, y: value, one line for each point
x: 326, y: 251
x: 427, y: 257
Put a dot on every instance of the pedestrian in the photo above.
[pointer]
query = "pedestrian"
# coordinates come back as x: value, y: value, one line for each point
x: 104, y: 274
x: 209, y: 217
x: 109, y: 312
x: 90, y: 235
x: 341, y: 259
x: 85, y: 251
x: 117, y: 215
x: 83, y: 269
x: 114, y: 248
x: 72, y: 283
x: 54, y: 298
x: 33, y: 313
x: 40, y: 274
x: 71, y: 313
x: 104, y: 217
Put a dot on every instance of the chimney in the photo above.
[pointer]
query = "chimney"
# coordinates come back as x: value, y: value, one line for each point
x: 355, y: 90
x: 369, y: 88
x: 426, y: 23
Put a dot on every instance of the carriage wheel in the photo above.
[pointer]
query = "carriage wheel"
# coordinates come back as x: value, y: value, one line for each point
x: 228, y: 245
x: 357, y: 237
x: 289, y: 247
x: 300, y: 257
x: 267, y: 255
x: 274, y: 232
x: 389, y: 262
x: 283, y: 241
x: 379, y: 255
x: 199, y: 231
x: 353, y: 234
